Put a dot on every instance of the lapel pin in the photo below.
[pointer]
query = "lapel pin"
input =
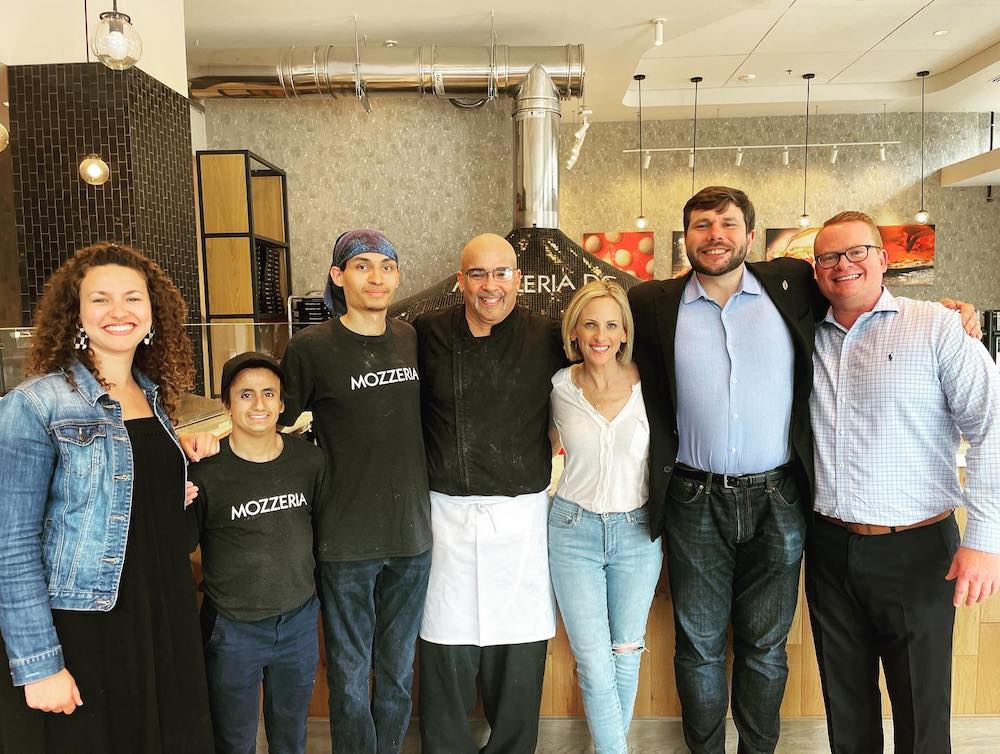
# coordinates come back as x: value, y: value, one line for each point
x: 784, y: 284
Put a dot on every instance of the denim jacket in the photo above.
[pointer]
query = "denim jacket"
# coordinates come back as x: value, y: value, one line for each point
x: 65, y: 504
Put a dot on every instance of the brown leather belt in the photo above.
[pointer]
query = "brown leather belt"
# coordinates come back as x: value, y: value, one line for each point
x: 871, y: 530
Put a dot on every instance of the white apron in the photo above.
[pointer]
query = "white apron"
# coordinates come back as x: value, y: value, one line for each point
x: 489, y: 581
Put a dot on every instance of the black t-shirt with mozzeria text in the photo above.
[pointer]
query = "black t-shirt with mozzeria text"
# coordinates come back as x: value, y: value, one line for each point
x: 255, y: 525
x: 364, y: 394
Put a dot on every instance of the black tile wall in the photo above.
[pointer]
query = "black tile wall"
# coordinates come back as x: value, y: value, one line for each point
x: 141, y: 128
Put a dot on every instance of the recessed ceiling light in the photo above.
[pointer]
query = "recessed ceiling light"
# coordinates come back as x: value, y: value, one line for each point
x: 941, y: 32
x: 748, y: 77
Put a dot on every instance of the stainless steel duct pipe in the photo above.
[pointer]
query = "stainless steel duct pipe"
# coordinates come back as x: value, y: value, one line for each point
x: 452, y: 72
x: 536, y: 118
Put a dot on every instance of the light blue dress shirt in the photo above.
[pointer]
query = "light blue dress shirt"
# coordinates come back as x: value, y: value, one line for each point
x: 734, y: 367
x: 889, y: 399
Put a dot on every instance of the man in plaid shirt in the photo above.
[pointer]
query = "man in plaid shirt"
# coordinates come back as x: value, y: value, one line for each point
x: 896, y: 382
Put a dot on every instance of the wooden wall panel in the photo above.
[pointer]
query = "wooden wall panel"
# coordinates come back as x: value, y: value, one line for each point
x: 988, y: 670
x: 268, y: 209
x: 228, y: 275
x: 224, y: 186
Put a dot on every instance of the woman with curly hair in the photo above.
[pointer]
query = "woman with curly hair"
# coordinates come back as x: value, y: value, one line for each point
x: 97, y: 607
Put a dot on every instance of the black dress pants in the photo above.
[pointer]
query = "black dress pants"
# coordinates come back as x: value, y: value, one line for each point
x: 885, y: 598
x: 510, y: 678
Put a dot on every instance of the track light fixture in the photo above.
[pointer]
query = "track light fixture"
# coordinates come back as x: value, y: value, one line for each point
x: 658, y: 31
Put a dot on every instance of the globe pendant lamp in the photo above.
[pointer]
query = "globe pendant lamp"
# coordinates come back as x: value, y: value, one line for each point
x: 115, y: 42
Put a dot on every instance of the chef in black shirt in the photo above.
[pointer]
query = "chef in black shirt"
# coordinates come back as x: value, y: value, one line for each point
x: 485, y: 372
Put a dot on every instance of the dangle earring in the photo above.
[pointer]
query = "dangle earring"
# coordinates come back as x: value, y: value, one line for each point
x: 80, y: 341
x: 149, y: 336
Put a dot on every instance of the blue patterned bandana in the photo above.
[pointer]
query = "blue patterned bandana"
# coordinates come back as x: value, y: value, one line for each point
x: 349, y: 244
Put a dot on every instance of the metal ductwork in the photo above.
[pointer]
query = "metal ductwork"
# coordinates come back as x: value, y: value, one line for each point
x: 476, y: 73
x: 536, y: 116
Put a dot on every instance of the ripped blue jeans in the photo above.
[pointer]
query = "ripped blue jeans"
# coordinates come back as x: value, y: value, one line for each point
x: 604, y: 569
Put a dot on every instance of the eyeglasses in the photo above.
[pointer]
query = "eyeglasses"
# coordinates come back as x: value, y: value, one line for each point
x: 499, y: 273
x: 831, y: 259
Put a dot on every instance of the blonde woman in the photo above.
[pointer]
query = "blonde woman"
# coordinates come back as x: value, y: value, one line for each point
x: 603, y: 563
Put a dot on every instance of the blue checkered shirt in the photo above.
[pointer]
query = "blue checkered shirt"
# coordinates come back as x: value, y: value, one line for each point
x: 891, y: 397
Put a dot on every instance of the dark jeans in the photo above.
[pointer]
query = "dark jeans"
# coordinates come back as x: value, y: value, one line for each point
x: 883, y: 598
x: 510, y: 678
x: 734, y: 555
x: 283, y: 652
x: 371, y: 615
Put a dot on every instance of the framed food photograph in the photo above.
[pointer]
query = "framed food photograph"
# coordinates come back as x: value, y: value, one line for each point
x: 790, y: 242
x: 911, y: 253
x: 629, y: 251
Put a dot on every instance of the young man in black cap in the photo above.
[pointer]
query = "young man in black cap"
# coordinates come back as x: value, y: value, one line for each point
x: 357, y: 373
x: 254, y: 519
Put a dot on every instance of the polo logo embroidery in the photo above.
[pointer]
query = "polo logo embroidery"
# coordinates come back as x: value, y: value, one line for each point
x: 890, y: 357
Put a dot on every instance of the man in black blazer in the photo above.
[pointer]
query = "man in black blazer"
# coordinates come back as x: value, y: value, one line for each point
x: 725, y: 357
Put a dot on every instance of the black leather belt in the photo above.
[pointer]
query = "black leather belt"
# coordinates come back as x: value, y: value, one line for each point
x: 730, y: 481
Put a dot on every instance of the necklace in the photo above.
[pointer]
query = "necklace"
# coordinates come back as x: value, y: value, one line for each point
x: 612, y: 393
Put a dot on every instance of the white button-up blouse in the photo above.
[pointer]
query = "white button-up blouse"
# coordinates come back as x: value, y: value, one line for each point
x: 606, y: 470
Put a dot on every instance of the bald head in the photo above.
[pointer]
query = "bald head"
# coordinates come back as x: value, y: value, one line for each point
x: 491, y: 291
x: 491, y: 244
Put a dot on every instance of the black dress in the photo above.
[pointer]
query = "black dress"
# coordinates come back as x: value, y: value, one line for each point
x: 139, y: 667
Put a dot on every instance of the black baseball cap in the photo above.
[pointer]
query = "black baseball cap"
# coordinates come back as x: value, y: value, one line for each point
x: 248, y: 360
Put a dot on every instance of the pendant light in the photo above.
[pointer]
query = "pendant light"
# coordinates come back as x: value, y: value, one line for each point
x: 694, y: 131
x: 922, y: 216
x: 94, y: 170
x: 115, y: 41
x: 804, y: 217
x: 640, y: 221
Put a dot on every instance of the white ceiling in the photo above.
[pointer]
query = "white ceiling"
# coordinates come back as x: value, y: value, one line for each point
x: 865, y: 53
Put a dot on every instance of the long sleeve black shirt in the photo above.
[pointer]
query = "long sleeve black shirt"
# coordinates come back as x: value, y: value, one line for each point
x: 485, y: 401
